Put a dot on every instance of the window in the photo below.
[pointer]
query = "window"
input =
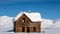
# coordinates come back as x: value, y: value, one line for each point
x: 34, y: 29
x: 23, y: 20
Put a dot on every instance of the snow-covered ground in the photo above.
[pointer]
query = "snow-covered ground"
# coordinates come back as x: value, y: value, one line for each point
x: 47, y: 26
x: 57, y: 23
x: 44, y: 31
x: 46, y: 23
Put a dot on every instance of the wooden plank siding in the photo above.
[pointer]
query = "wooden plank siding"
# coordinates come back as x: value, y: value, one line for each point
x: 18, y: 24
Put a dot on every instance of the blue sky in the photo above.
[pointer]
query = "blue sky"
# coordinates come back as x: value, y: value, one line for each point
x: 48, y: 9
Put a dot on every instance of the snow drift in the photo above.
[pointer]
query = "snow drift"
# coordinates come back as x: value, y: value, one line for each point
x: 46, y: 23
x: 6, y: 23
x: 57, y: 23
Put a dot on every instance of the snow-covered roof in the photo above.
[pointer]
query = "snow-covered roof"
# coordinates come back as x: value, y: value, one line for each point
x: 34, y: 17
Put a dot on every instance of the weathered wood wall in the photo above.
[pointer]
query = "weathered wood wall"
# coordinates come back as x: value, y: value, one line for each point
x: 18, y: 24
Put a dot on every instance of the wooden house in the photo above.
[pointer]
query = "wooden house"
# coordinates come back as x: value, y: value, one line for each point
x: 27, y: 22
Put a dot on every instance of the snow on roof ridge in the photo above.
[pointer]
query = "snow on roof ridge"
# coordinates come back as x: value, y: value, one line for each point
x: 33, y: 16
x: 18, y: 15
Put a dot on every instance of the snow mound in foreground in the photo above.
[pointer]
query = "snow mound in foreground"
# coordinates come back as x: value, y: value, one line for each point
x: 6, y: 23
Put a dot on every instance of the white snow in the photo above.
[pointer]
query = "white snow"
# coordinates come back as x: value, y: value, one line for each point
x: 57, y: 23
x: 34, y: 17
x: 46, y: 23
x: 6, y: 23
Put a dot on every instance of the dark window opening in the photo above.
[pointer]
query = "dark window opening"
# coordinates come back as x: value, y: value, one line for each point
x: 14, y: 26
x: 34, y: 29
x: 23, y: 29
x: 28, y: 29
x: 23, y: 20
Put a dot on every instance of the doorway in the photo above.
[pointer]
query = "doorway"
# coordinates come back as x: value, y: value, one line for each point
x: 34, y: 29
x: 23, y: 29
x: 28, y: 29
